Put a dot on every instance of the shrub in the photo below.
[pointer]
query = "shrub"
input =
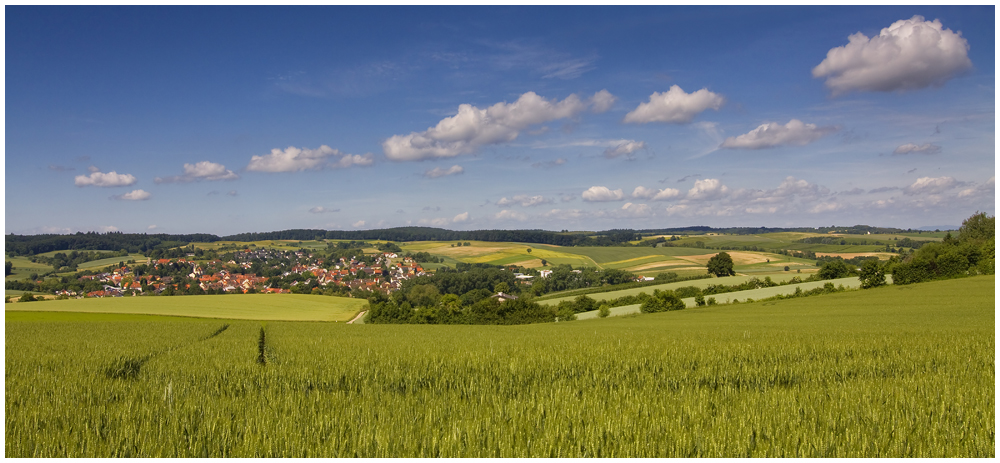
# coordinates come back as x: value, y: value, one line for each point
x: 604, y: 311
x: 872, y: 274
x: 661, y: 301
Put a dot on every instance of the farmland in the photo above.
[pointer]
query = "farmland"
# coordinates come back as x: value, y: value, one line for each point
x: 649, y: 260
x: 898, y: 371
x: 239, y: 306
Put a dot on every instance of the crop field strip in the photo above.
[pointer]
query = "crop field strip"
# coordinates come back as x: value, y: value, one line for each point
x: 240, y: 306
x: 889, y: 372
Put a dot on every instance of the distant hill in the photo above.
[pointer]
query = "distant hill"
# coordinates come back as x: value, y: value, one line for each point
x: 143, y: 243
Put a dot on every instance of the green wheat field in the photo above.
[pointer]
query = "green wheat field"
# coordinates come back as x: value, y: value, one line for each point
x: 898, y: 371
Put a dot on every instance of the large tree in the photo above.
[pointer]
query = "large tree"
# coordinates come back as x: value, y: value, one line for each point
x: 872, y: 274
x: 721, y: 265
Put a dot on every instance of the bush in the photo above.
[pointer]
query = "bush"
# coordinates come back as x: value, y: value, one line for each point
x: 584, y: 303
x: 661, y: 301
x: 872, y: 274
x: 604, y: 311
x: 699, y: 300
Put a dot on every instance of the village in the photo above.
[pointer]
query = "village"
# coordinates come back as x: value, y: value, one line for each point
x: 305, y: 274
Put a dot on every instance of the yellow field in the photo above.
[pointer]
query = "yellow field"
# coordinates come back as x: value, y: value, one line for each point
x: 481, y: 252
x: 291, y: 307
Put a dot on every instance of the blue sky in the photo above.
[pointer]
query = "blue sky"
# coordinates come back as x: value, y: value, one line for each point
x: 235, y: 119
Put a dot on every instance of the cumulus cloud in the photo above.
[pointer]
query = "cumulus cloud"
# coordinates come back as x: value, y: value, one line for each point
x: 510, y: 215
x: 439, y: 172
x: 917, y: 149
x: 635, y: 210
x: 909, y: 54
x: 602, y: 101
x: 772, y: 134
x: 294, y: 159
x: 928, y: 185
x: 203, y: 170
x: 674, y: 106
x: 826, y: 207
x: 358, y: 224
x: 625, y: 148
x: 322, y: 210
x: 134, y: 195
x: 152, y: 227
x: 463, y: 217
x: 602, y: 193
x: 473, y: 127
x: 707, y: 189
x: 654, y: 194
x: 110, y: 179
x: 523, y: 201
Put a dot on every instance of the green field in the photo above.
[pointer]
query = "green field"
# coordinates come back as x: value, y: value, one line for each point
x: 640, y: 260
x: 902, y: 371
x: 726, y: 298
x: 297, y: 307
x: 733, y: 280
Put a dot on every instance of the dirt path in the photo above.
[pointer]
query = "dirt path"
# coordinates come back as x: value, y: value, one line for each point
x: 362, y: 314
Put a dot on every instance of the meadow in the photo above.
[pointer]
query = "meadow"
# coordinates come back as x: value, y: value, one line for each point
x: 300, y: 307
x: 902, y: 371
x: 850, y: 282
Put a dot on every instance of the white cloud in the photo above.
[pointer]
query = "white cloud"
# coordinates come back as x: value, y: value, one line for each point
x: 654, y: 194
x: 510, y: 215
x: 134, y: 195
x: 203, y: 170
x: 523, y: 201
x: 772, y: 134
x: 826, y: 207
x: 635, y: 210
x: 109, y: 228
x: 93, y: 169
x: 294, y: 159
x: 152, y: 227
x: 439, y: 172
x: 473, y: 127
x: 322, y: 210
x: 358, y: 224
x: 674, y: 106
x: 602, y: 193
x: 110, y: 179
x: 626, y: 148
x: 602, y: 101
x: 928, y: 185
x: 463, y: 217
x: 921, y: 149
x: 909, y: 54
x: 707, y: 189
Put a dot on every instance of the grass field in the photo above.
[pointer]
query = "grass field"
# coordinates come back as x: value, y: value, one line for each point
x: 733, y: 280
x: 889, y: 372
x: 229, y: 306
x: 726, y: 298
